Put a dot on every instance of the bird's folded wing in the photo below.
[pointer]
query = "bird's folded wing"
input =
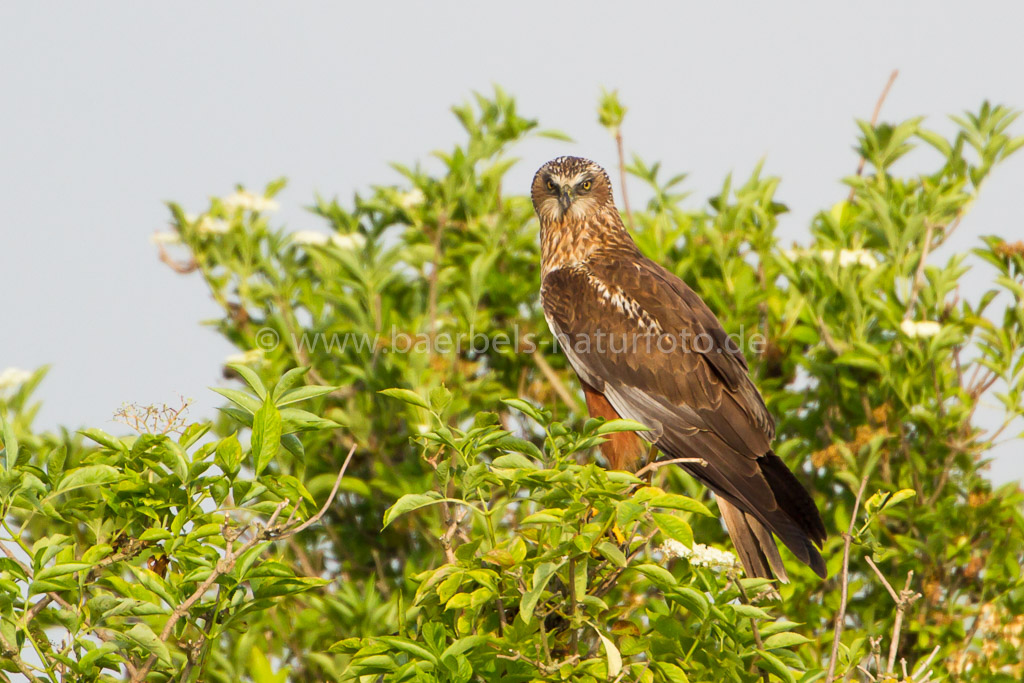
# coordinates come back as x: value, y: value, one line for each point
x: 644, y: 334
x: 641, y: 337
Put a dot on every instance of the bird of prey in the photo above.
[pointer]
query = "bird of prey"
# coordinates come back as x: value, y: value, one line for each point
x: 647, y: 348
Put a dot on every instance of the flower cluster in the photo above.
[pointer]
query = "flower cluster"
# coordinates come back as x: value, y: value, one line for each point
x: 846, y: 257
x: 700, y: 555
x: 919, y: 329
x: 352, y: 240
x: 243, y: 199
x: 13, y: 377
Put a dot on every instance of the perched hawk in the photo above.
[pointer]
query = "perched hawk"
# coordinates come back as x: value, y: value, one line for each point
x: 647, y: 348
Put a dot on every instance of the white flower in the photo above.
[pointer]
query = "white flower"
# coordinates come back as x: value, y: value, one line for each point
x: 411, y: 199
x: 247, y: 358
x: 212, y: 226
x: 920, y: 328
x: 167, y: 237
x: 847, y: 257
x: 243, y: 199
x: 14, y: 377
x: 859, y: 257
x: 352, y: 240
x: 310, y: 237
x: 700, y: 555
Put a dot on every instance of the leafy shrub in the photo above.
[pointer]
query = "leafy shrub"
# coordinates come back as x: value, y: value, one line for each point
x: 472, y: 537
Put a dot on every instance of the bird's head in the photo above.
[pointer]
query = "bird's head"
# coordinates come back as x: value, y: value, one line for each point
x: 570, y: 188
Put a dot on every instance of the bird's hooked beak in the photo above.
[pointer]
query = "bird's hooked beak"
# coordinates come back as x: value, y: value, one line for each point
x: 565, y: 199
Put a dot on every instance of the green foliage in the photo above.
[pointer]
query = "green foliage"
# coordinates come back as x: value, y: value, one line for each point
x: 473, y: 537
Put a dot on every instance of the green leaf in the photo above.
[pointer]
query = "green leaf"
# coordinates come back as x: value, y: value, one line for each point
x: 10, y: 440
x: 88, y: 476
x: 304, y: 394
x: 407, y: 396
x: 287, y: 381
x: 228, y: 456
x: 671, y: 672
x: 104, y: 439
x: 524, y: 407
x: 251, y: 378
x: 612, y: 552
x: 266, y: 436
x: 462, y: 645
x: 750, y: 611
x: 155, y: 534
x: 410, y: 647
x: 786, y: 640
x: 414, y: 501
x: 611, y: 652
x: 657, y: 574
x: 621, y: 425
x: 61, y: 570
x: 514, y: 461
x: 239, y: 398
x: 142, y: 635
x: 541, y: 576
x: 773, y: 664
x: 674, y: 527
x: 674, y: 501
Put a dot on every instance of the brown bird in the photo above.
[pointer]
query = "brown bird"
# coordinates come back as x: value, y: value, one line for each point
x: 647, y: 348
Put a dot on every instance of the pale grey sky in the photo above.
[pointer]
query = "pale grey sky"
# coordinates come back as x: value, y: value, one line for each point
x: 110, y: 108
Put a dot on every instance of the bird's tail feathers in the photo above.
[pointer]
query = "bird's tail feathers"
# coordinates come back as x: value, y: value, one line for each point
x: 754, y: 544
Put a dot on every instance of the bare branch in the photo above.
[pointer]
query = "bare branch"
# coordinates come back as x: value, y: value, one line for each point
x: 10, y: 651
x: 658, y: 464
x: 905, y: 598
x: 556, y: 381
x: 919, y: 274
x: 845, y: 583
x: 874, y: 120
x: 327, y: 503
x: 179, y: 268
x: 622, y: 176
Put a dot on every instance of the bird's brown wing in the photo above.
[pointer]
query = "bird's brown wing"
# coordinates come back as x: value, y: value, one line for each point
x: 643, y: 338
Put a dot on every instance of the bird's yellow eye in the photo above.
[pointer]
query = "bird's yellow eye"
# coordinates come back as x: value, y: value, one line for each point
x: 551, y: 186
x: 586, y: 185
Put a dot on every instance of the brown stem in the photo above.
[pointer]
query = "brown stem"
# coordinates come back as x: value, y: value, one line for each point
x: 919, y: 274
x: 657, y: 465
x: 753, y: 624
x: 556, y: 382
x: 874, y: 120
x: 622, y: 177
x: 845, y: 583
x: 904, y: 599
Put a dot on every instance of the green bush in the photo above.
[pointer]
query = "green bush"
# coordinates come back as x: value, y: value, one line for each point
x: 396, y: 375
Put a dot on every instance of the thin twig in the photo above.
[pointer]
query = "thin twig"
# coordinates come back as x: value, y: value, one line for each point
x: 874, y: 120
x: 327, y: 503
x: 753, y: 624
x: 622, y: 176
x: 434, y: 284
x: 14, y: 656
x: 845, y: 583
x: 903, y: 600
x: 915, y: 289
x: 556, y: 381
x: 923, y: 666
x: 178, y: 267
x: 658, y: 464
